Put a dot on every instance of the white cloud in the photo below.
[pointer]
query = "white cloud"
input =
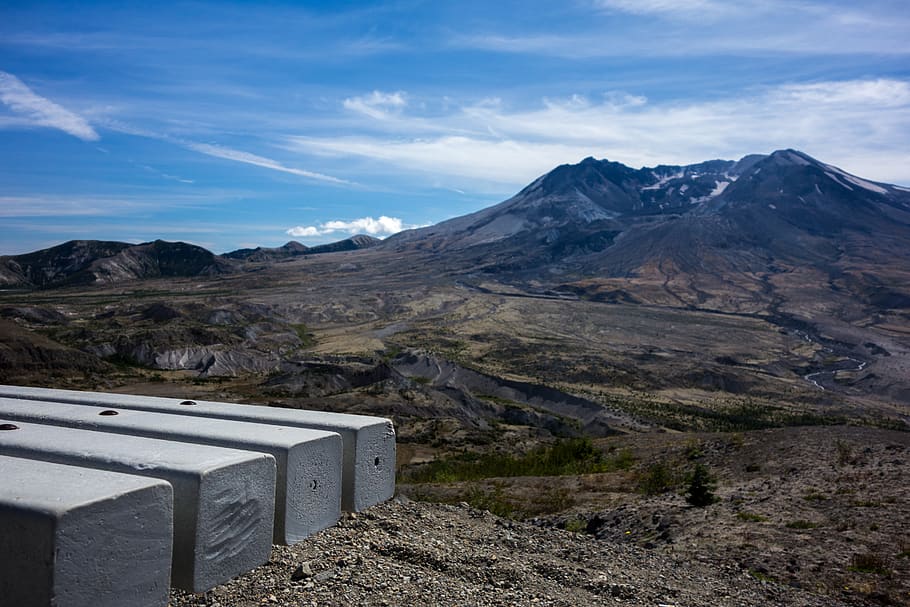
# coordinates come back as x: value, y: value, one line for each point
x: 300, y: 231
x: 860, y: 125
x: 245, y: 157
x: 640, y: 29
x: 40, y: 111
x: 377, y: 104
x: 499, y: 161
x: 673, y: 7
x: 383, y: 226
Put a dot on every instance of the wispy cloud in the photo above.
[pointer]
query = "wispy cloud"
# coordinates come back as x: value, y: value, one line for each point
x: 858, y: 124
x: 697, y: 28
x: 492, y: 160
x: 663, y: 7
x: 261, y: 161
x: 121, y: 205
x: 377, y: 104
x: 383, y: 226
x: 220, y: 151
x: 40, y: 111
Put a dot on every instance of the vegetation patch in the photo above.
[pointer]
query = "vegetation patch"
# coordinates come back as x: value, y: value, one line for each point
x: 869, y: 563
x: 658, y: 478
x: 565, y: 457
x: 751, y: 517
x: 500, y: 500
x: 307, y: 339
x: 701, y: 485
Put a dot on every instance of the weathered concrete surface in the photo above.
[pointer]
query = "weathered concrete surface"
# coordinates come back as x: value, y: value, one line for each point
x: 308, y: 487
x: 224, y: 499
x: 77, y: 537
x: 369, y: 442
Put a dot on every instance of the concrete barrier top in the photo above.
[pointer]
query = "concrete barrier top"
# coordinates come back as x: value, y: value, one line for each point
x: 308, y: 491
x: 369, y: 442
x: 224, y: 499
x: 77, y: 537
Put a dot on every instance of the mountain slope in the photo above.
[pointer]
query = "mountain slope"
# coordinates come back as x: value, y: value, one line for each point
x: 80, y: 262
x: 717, y: 221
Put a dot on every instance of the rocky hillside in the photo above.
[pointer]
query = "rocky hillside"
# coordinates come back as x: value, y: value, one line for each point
x: 406, y: 553
x: 84, y: 262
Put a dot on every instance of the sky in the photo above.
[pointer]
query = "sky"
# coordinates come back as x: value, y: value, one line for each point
x: 243, y: 124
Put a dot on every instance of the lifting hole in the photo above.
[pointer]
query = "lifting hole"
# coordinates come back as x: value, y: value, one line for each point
x: 9, y: 427
x: 187, y: 402
x: 109, y: 412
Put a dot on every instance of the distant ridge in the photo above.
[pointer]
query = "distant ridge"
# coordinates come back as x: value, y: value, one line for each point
x: 295, y: 249
x: 80, y: 262
x: 289, y: 249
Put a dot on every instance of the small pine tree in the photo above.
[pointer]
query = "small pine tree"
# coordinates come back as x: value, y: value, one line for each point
x: 700, y: 491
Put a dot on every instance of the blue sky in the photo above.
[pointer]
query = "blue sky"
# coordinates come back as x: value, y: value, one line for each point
x: 251, y: 123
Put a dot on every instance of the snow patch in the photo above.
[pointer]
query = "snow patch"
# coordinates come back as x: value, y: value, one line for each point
x: 771, y: 206
x: 662, y: 181
x: 866, y: 185
x: 719, y: 187
x: 838, y: 181
x: 901, y: 188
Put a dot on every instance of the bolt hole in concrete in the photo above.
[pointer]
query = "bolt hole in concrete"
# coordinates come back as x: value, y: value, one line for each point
x: 187, y: 402
x: 9, y: 427
x: 376, y: 462
x: 109, y: 412
x: 313, y: 484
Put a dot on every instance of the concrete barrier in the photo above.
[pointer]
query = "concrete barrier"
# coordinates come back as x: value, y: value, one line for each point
x: 76, y: 537
x: 224, y: 499
x: 308, y: 487
x: 369, y: 442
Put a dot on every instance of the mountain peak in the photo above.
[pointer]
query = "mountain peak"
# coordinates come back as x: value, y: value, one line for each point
x: 791, y: 157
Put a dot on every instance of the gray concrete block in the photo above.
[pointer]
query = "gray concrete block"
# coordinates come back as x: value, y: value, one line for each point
x: 308, y: 487
x: 224, y: 499
x: 369, y: 442
x: 77, y: 537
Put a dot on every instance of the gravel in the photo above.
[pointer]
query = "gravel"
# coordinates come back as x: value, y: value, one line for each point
x: 412, y: 553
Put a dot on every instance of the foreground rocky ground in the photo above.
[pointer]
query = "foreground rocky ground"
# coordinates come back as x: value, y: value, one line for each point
x: 410, y: 553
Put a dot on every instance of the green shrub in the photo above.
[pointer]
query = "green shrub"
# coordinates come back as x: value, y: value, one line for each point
x: 701, y: 485
x: 576, y: 525
x: 658, y: 478
x: 751, y: 517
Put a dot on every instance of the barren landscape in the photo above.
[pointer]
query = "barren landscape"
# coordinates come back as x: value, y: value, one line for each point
x: 555, y: 380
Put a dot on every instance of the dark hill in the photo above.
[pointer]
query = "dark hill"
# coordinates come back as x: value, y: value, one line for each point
x: 289, y: 249
x: 80, y: 262
x: 295, y: 249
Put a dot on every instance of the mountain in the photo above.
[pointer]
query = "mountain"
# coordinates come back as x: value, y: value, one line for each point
x: 295, y: 249
x: 709, y: 232
x: 354, y: 243
x: 80, y: 262
x: 289, y: 249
